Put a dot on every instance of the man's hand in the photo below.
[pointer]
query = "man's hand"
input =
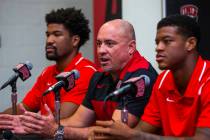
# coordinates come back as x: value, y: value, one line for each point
x: 110, y: 130
x: 36, y: 123
x: 12, y: 122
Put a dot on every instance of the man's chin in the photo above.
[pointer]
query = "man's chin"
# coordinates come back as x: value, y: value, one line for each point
x: 53, y: 58
x: 107, y: 69
x: 162, y: 67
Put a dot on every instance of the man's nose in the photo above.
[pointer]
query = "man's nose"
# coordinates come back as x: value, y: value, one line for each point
x: 50, y: 39
x: 160, y: 46
x: 102, y: 49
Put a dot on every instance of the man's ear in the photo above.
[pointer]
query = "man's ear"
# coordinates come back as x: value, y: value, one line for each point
x: 75, y: 40
x: 132, y: 47
x: 191, y: 43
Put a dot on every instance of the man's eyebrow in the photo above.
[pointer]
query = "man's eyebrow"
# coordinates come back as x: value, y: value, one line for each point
x: 57, y: 31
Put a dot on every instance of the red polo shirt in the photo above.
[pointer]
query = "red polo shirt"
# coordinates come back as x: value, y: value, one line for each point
x: 176, y: 114
x: 34, y: 99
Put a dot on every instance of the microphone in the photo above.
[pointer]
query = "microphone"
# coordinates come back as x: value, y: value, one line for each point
x: 146, y: 80
x: 132, y: 87
x: 65, y: 80
x: 127, y: 88
x: 142, y: 82
x: 21, y: 70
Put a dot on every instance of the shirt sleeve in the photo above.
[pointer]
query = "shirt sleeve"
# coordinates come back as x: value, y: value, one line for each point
x: 204, y: 116
x: 77, y: 94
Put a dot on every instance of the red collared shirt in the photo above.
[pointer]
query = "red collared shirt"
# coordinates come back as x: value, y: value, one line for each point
x: 34, y: 99
x: 176, y: 114
x: 136, y: 62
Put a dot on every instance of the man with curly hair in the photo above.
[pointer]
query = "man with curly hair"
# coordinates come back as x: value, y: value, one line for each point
x: 67, y: 31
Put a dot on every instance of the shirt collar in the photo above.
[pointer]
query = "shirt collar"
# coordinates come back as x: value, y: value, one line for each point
x: 196, y: 77
x: 75, y: 61
x: 135, y: 63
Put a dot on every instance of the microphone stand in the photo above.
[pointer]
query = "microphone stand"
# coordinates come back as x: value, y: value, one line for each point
x: 124, y: 111
x: 7, y: 134
x: 14, y: 97
x: 57, y: 106
x: 57, y: 112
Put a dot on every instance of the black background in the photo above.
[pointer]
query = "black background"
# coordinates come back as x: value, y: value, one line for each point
x: 173, y: 7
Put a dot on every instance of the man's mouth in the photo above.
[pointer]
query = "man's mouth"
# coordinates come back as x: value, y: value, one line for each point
x: 159, y: 57
x: 50, y: 49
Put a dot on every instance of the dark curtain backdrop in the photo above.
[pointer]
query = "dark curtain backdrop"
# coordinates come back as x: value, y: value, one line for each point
x: 174, y: 7
x: 104, y: 10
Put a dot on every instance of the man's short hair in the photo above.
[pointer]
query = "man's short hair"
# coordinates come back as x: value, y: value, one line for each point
x: 73, y: 20
x: 187, y: 26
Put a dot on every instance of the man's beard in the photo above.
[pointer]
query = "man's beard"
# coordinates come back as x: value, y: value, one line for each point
x: 110, y: 69
x: 52, y: 56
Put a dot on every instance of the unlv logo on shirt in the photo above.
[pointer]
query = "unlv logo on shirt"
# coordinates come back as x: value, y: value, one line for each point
x: 189, y: 10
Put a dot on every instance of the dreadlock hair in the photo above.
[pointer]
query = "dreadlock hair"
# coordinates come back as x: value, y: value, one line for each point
x: 73, y: 20
x: 186, y: 25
